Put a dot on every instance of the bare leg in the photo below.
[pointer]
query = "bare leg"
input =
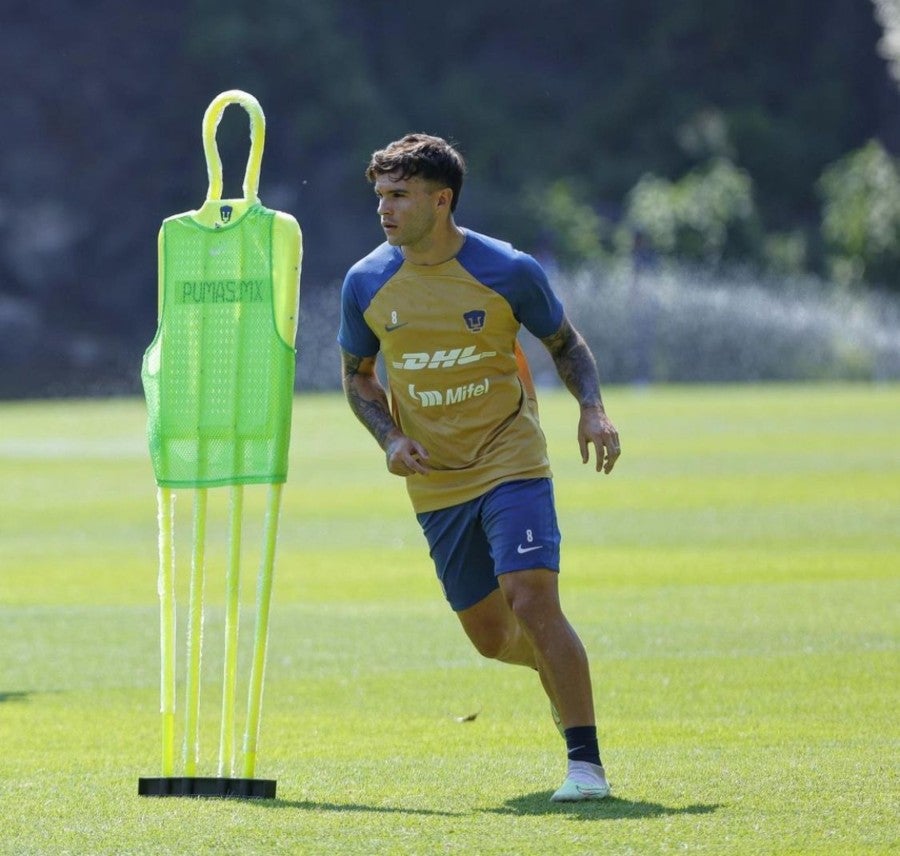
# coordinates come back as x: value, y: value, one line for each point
x: 522, y: 623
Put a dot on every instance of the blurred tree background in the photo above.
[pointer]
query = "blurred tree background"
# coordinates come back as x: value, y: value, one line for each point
x: 721, y: 133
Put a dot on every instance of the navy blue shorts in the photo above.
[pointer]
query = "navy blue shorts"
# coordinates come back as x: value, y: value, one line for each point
x: 512, y: 527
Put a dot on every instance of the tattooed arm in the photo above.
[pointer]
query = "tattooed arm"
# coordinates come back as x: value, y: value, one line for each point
x: 368, y: 401
x: 578, y: 370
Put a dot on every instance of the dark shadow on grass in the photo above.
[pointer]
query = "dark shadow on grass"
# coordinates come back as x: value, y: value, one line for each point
x: 14, y: 696
x: 612, y: 808
x: 309, y: 805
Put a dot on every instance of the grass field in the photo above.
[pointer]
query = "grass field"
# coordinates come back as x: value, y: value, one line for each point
x: 736, y: 582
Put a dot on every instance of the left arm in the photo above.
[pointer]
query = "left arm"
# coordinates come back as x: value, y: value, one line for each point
x: 578, y: 370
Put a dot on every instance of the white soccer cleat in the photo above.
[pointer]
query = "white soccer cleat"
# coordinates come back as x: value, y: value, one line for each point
x: 584, y: 782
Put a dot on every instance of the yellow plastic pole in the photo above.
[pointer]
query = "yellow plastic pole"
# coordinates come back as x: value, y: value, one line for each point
x: 263, y: 599
x: 232, y: 616
x: 166, y: 591
x: 195, y: 637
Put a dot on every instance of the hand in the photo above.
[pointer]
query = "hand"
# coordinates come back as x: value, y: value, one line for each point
x: 406, y: 457
x: 595, y: 427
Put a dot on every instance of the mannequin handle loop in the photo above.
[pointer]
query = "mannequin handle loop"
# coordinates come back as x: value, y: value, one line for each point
x: 211, y: 120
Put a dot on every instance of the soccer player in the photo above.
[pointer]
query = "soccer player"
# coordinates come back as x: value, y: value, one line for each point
x: 443, y: 305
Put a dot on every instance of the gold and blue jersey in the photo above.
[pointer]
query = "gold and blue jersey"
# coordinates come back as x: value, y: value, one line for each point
x: 458, y: 380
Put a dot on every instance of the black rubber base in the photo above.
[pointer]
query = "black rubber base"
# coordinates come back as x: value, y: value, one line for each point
x: 254, y: 789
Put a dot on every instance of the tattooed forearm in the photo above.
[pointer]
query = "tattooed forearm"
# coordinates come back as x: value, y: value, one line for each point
x: 367, y: 397
x: 374, y: 414
x: 575, y: 364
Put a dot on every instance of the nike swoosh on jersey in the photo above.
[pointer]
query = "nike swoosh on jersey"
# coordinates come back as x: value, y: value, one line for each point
x: 389, y: 328
x: 520, y: 549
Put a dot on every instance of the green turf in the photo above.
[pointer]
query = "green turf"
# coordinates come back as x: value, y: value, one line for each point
x: 735, y: 581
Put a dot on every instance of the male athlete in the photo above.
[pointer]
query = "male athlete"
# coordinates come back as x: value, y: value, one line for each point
x: 443, y: 305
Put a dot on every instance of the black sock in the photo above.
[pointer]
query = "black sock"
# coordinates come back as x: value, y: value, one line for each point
x: 581, y: 742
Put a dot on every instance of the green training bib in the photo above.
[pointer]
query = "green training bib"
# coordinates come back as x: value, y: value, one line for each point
x: 218, y: 377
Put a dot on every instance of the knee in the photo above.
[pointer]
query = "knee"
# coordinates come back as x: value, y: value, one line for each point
x: 494, y: 631
x: 530, y: 599
x: 491, y: 641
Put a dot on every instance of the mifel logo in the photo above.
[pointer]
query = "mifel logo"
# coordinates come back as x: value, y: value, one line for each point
x: 454, y: 395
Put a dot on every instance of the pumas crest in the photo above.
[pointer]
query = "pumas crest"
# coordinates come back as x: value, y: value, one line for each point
x: 475, y: 320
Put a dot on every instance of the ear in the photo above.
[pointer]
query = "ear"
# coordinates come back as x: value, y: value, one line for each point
x: 444, y: 198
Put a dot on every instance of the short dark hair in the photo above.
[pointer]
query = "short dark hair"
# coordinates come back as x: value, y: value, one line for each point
x: 421, y: 154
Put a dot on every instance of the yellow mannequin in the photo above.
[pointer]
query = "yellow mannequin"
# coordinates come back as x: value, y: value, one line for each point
x: 286, y: 254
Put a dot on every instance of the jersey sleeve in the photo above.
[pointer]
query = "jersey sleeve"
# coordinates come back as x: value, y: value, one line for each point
x: 536, y: 305
x: 355, y: 336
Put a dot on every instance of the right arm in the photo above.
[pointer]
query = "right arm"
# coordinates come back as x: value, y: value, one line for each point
x: 369, y: 403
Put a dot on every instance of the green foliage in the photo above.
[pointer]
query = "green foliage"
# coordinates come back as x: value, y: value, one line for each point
x: 861, y: 216
x: 707, y: 215
x: 551, y: 91
x: 888, y: 14
x: 786, y: 252
x: 706, y: 135
x: 571, y: 229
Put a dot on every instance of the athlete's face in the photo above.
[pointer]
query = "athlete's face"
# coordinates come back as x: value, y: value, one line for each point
x: 408, y: 209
